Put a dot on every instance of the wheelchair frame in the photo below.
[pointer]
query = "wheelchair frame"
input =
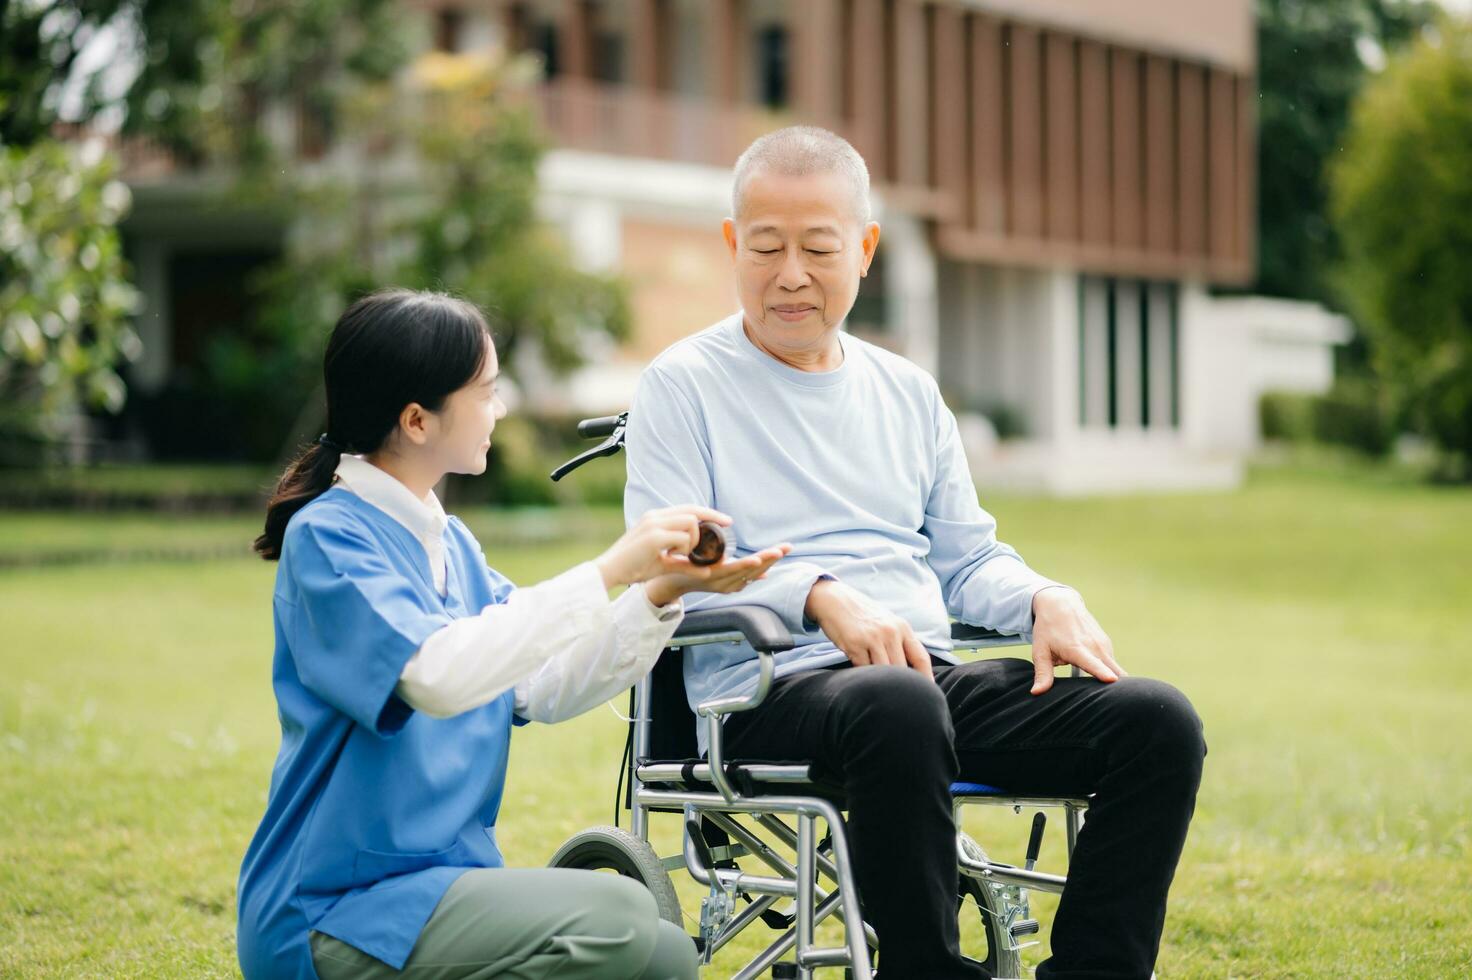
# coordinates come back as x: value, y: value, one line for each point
x: 789, y: 791
x: 767, y: 792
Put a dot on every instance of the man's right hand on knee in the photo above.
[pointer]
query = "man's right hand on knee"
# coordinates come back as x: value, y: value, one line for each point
x: 866, y: 632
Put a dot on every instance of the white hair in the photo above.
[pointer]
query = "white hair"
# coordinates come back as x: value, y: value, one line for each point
x: 800, y: 150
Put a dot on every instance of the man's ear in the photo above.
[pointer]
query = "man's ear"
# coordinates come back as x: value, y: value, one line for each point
x: 728, y: 232
x: 414, y: 423
x: 870, y: 244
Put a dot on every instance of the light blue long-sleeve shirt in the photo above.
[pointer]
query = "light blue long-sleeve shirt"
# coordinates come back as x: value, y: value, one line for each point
x: 861, y: 468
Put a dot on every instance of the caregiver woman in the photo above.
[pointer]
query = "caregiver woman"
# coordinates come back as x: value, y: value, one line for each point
x: 402, y: 661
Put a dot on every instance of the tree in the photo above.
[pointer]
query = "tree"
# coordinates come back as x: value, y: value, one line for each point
x: 39, y: 47
x: 479, y: 147
x: 1401, y: 197
x: 211, y: 68
x: 208, y: 74
x: 1310, y: 67
x: 203, y: 73
x: 202, y: 70
x: 64, y: 292
x: 441, y: 196
x: 65, y: 300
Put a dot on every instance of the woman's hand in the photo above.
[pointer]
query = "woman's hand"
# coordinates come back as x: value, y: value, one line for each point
x: 655, y: 545
x: 728, y: 576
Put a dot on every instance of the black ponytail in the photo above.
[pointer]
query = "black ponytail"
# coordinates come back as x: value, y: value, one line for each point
x: 389, y: 349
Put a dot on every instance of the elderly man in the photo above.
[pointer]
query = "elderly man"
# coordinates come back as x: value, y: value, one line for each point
x: 806, y: 434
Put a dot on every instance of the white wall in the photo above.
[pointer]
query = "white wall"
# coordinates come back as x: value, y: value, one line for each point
x: 1009, y: 337
x: 1237, y: 348
x: 911, y: 289
x: 1013, y: 337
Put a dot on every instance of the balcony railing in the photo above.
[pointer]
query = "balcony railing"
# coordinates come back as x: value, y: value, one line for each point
x: 604, y: 118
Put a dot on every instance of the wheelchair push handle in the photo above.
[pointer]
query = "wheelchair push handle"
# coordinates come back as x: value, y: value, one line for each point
x: 600, y: 427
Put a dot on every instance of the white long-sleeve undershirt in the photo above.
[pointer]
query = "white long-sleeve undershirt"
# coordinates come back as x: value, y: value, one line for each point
x: 561, y: 645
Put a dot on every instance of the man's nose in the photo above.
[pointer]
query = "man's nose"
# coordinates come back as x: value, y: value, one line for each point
x: 794, y: 272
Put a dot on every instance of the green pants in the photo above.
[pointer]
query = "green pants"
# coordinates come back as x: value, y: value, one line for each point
x: 531, y: 923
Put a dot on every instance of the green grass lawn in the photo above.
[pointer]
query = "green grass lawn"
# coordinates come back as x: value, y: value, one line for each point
x: 1319, y: 620
x: 41, y: 538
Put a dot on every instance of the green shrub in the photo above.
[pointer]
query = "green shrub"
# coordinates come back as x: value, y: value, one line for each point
x: 1007, y: 419
x: 1355, y: 413
x: 1286, y: 416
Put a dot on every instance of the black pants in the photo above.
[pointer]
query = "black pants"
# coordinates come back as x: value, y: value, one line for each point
x: 896, y: 741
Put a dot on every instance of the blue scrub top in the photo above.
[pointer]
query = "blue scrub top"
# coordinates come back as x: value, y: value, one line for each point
x: 374, y: 809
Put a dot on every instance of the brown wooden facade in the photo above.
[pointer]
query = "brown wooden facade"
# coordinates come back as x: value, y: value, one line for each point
x: 1024, y: 144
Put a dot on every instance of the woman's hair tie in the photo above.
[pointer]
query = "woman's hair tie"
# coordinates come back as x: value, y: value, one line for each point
x: 331, y: 444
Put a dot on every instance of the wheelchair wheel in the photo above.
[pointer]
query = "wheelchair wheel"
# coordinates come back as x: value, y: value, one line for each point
x: 1002, y: 958
x: 612, y: 849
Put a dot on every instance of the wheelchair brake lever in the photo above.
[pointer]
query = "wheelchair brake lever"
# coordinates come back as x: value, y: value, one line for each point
x: 607, y: 447
x: 1035, y: 839
x: 697, y: 840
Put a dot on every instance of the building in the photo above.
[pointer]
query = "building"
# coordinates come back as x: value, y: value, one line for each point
x: 1061, y: 184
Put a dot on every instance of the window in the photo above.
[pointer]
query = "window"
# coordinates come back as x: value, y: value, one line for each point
x: 608, y: 56
x: 449, y: 25
x: 772, y: 66
x: 1128, y: 354
x: 544, y: 42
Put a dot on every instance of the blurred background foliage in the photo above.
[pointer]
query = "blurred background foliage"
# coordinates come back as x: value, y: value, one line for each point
x: 1402, y: 199
x: 1313, y: 59
x: 1365, y: 182
x: 464, y: 223
x: 65, y: 300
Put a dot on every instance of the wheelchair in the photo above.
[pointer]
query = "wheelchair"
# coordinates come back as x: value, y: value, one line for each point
x: 764, y: 811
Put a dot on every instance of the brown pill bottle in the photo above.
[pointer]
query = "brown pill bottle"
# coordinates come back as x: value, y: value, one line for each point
x: 715, y: 541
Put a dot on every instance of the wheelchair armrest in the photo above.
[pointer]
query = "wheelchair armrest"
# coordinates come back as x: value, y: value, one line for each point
x: 761, y: 627
x: 766, y: 668
x: 764, y: 630
x: 967, y: 637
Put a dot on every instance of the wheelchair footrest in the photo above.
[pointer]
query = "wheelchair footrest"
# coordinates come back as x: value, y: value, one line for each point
x: 1025, y: 928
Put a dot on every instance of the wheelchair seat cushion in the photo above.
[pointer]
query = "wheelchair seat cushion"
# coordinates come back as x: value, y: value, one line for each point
x: 976, y: 789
